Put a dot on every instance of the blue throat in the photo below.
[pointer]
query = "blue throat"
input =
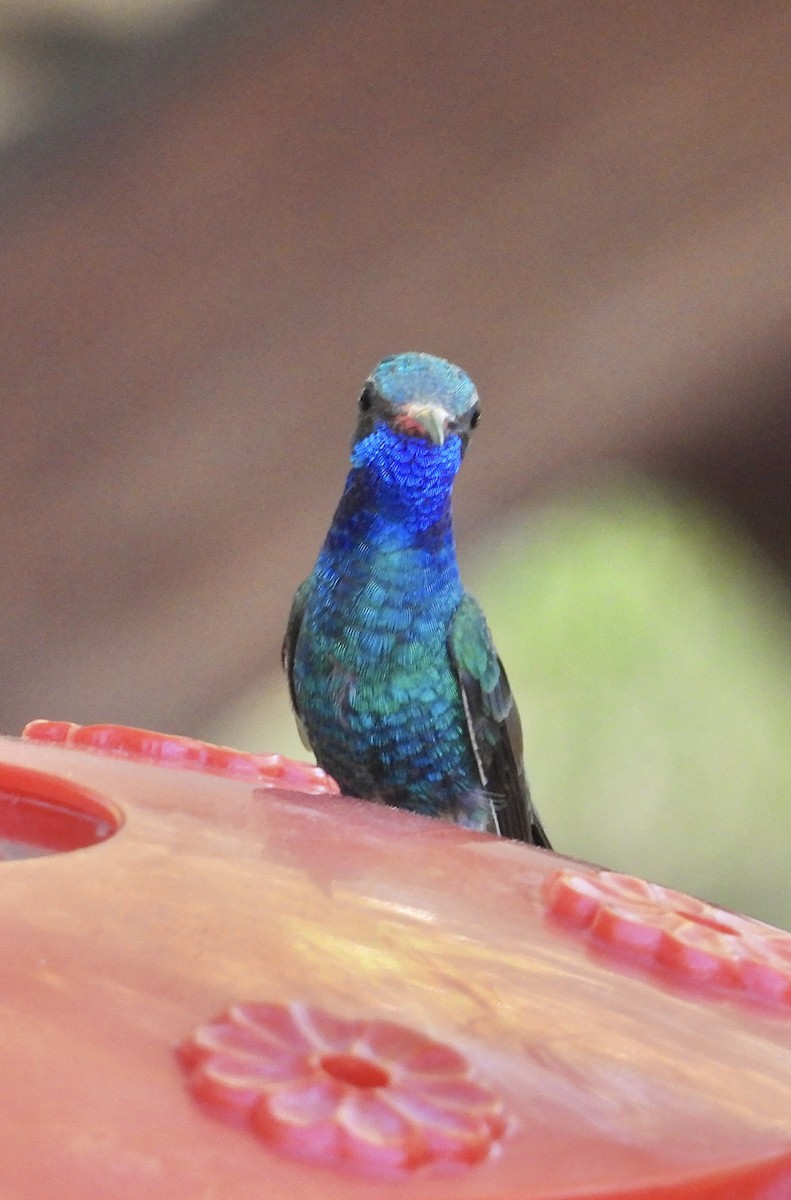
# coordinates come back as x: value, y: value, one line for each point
x: 397, y: 498
x: 411, y: 478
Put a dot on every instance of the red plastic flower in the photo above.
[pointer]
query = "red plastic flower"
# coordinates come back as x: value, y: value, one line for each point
x: 171, y: 750
x: 695, y: 940
x: 371, y: 1095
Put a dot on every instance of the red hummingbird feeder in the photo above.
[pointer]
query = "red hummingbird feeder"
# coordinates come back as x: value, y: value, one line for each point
x: 221, y: 978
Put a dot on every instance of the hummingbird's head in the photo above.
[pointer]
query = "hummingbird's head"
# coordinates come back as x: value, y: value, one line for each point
x: 418, y: 396
x: 416, y: 413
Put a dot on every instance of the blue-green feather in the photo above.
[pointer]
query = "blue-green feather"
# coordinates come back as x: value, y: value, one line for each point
x: 377, y: 695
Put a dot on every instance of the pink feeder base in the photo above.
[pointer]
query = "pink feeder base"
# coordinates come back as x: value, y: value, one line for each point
x: 215, y: 986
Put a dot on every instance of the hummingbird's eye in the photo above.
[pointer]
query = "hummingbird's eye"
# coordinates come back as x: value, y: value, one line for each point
x: 475, y: 419
x: 366, y: 398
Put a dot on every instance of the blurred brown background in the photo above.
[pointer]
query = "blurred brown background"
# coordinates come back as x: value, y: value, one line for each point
x: 215, y: 218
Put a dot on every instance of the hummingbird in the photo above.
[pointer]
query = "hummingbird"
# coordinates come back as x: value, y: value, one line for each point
x: 394, y: 678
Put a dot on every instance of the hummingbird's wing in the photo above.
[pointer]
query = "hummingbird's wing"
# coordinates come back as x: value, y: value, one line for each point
x: 289, y: 649
x: 493, y: 723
